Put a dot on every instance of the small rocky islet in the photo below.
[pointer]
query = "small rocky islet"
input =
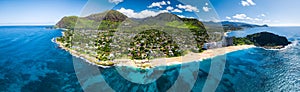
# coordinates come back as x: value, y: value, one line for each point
x: 263, y: 39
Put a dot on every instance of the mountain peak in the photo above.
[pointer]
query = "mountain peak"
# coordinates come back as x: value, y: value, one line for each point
x: 111, y: 15
x: 167, y: 17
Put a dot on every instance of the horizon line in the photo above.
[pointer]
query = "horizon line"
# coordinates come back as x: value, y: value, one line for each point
x: 285, y: 25
x: 27, y: 24
x: 271, y: 25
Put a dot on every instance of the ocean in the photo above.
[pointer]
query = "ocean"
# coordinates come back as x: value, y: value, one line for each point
x: 31, y: 62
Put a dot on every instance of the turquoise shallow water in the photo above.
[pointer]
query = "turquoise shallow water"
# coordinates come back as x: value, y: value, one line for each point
x: 30, y: 61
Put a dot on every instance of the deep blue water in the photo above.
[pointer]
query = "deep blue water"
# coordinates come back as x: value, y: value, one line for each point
x: 30, y: 61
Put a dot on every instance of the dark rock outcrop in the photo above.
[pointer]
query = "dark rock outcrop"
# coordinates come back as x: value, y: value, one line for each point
x: 268, y: 40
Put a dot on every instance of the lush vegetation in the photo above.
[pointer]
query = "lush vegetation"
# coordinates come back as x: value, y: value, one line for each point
x: 111, y: 35
x: 67, y: 38
x: 67, y: 22
x: 242, y: 41
x: 104, y: 40
x: 106, y: 25
x: 107, y: 20
x: 199, y: 32
x: 262, y: 39
x: 148, y: 44
x: 103, y: 44
x: 179, y: 24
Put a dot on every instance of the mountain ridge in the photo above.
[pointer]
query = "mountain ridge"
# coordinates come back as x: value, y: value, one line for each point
x: 233, y: 26
x: 69, y: 22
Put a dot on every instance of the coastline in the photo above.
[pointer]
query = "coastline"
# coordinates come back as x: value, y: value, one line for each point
x: 293, y: 43
x: 87, y: 58
x: 146, y: 64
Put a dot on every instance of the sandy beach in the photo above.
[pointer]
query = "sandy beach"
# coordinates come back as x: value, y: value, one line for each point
x: 190, y: 57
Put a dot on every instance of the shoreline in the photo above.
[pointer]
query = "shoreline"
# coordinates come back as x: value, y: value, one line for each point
x: 88, y: 59
x: 146, y: 64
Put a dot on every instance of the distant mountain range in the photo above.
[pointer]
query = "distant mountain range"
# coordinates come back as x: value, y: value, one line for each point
x: 231, y: 26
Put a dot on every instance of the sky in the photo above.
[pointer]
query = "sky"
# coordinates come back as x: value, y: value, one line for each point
x: 15, y: 12
x: 48, y: 12
x: 272, y: 12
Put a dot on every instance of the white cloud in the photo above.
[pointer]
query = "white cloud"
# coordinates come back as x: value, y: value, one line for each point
x: 257, y: 19
x: 244, y: 3
x: 247, y: 2
x: 182, y: 16
x: 240, y: 16
x: 115, y: 1
x: 245, y: 18
x: 169, y: 8
x: 157, y: 4
x: 168, y: 2
x: 206, y: 9
x: 228, y: 17
x: 188, y: 8
x: 191, y: 17
x: 177, y: 10
x: 248, y: 18
x: 206, y: 4
x: 143, y: 14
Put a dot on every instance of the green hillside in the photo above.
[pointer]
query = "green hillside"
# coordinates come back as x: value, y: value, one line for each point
x: 111, y: 35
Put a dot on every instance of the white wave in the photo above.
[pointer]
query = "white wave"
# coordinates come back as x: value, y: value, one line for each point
x: 293, y: 44
x: 53, y: 40
x: 89, y: 62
